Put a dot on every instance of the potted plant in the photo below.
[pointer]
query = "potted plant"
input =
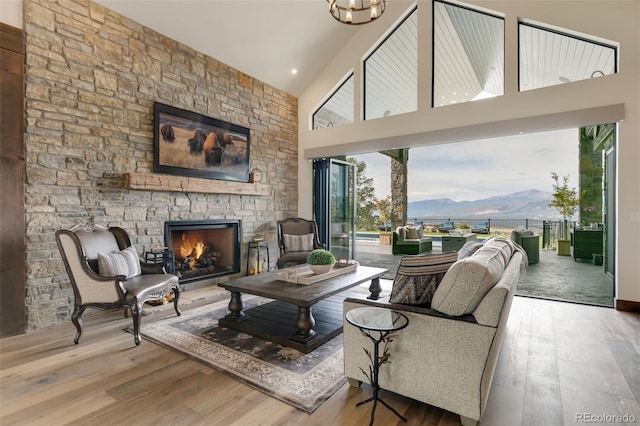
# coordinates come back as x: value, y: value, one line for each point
x: 565, y: 200
x: 321, y: 261
x: 384, y: 209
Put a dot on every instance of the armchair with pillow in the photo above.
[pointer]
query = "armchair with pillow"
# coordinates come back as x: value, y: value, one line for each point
x: 297, y: 237
x: 106, y: 273
x: 410, y: 240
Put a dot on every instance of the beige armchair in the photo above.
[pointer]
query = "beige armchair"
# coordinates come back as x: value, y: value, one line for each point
x: 106, y: 273
x: 297, y: 237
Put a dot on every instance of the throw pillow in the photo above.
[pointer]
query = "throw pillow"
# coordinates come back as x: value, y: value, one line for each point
x: 125, y: 262
x: 412, y: 233
x: 418, y: 278
x: 298, y: 242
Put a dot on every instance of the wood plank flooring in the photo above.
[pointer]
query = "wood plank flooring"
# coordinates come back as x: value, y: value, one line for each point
x: 558, y: 361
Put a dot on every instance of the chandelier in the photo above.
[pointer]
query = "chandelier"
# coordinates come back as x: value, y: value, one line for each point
x: 356, y: 12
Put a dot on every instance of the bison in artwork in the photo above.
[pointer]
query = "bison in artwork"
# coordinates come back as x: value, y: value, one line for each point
x: 212, y: 150
x: 196, y: 142
x: 224, y: 139
x: 167, y: 132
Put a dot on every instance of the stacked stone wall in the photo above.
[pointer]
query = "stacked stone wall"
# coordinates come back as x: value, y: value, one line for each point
x: 92, y: 77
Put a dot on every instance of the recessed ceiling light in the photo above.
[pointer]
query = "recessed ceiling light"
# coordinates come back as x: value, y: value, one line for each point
x: 294, y: 71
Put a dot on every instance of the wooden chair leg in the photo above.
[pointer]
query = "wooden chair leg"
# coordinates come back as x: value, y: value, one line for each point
x: 176, y: 296
x: 76, y: 319
x: 136, y: 310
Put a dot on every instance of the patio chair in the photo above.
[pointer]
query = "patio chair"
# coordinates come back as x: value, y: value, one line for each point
x: 409, y: 240
x: 480, y: 228
x: 529, y: 242
x: 297, y: 237
x: 106, y: 273
x: 447, y: 226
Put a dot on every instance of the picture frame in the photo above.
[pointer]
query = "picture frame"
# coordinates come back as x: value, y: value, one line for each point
x: 190, y: 144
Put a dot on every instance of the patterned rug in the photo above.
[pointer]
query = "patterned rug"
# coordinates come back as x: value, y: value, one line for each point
x: 304, y: 381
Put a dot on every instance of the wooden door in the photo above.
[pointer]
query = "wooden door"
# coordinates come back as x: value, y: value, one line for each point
x: 12, y: 227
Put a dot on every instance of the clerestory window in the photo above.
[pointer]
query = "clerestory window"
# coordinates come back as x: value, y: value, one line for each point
x: 468, y: 54
x: 337, y: 109
x: 547, y: 58
x: 391, y: 72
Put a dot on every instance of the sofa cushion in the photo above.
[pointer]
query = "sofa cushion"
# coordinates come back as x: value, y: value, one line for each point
x: 125, y: 262
x: 468, y: 280
x: 469, y: 249
x: 418, y: 278
x: 298, y: 242
x: 412, y: 233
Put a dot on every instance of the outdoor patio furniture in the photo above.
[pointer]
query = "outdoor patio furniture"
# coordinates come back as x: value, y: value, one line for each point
x: 447, y: 226
x: 480, y: 228
x: 409, y: 240
x: 530, y: 242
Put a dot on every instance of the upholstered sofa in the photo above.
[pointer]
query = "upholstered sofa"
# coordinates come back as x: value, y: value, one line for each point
x: 410, y: 240
x: 529, y: 241
x: 447, y: 355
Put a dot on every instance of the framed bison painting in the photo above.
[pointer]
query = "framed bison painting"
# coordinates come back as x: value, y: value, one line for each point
x: 190, y: 144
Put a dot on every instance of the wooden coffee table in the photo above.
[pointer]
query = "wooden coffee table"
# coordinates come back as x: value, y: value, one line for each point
x: 289, y: 319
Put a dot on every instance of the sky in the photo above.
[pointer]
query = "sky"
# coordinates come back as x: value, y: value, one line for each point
x: 469, y: 171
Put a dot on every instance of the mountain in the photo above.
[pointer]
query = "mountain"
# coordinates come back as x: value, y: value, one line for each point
x: 531, y: 204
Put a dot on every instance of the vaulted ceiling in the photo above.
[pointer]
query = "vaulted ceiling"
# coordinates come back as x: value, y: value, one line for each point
x: 267, y: 39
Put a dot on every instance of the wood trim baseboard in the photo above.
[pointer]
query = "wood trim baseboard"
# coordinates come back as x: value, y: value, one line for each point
x: 627, y: 305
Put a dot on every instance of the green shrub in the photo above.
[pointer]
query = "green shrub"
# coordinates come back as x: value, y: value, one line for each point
x: 321, y: 257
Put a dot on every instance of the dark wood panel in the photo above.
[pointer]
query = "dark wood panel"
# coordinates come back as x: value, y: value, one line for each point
x: 12, y: 38
x: 12, y: 237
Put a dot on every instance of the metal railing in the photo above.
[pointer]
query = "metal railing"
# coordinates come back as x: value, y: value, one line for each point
x: 550, y: 230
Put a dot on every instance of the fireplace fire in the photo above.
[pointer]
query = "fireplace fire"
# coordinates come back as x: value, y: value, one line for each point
x: 204, y: 249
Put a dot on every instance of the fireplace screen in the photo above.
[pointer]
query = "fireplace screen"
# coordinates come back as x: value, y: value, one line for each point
x: 204, y: 249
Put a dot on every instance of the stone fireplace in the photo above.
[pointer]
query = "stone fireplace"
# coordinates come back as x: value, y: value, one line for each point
x: 204, y: 249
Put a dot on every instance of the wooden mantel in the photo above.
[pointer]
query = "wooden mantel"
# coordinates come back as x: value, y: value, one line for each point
x: 170, y: 183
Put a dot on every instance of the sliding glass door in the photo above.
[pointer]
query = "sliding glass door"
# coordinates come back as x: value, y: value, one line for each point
x: 334, y: 205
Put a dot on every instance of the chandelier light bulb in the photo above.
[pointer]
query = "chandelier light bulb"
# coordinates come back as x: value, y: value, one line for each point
x: 356, y: 12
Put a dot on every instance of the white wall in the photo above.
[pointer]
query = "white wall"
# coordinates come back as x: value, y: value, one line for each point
x: 11, y: 12
x: 615, y: 98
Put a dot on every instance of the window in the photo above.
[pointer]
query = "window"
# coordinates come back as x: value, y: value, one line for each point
x: 549, y: 57
x: 468, y: 55
x: 338, y: 109
x: 390, y: 72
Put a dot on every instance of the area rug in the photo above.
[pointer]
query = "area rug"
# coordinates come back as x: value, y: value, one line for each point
x: 304, y: 381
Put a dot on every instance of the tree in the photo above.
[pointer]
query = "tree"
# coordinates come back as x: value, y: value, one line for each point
x: 565, y: 199
x: 384, y: 209
x: 365, y: 203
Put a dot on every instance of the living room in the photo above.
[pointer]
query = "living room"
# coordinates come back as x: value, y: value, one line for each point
x: 91, y: 77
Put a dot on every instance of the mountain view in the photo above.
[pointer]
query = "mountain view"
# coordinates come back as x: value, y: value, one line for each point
x: 530, y: 204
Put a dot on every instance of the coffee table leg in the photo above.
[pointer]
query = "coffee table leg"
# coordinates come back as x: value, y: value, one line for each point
x: 236, y: 307
x: 375, y: 289
x: 305, y: 322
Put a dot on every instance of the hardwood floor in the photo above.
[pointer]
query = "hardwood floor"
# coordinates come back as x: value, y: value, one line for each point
x: 558, y: 360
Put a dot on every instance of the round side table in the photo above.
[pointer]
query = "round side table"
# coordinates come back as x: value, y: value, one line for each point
x: 377, y: 324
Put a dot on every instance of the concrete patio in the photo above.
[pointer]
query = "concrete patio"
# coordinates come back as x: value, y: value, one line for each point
x: 554, y: 277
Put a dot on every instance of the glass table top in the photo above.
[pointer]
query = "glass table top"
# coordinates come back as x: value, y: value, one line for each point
x: 378, y: 319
